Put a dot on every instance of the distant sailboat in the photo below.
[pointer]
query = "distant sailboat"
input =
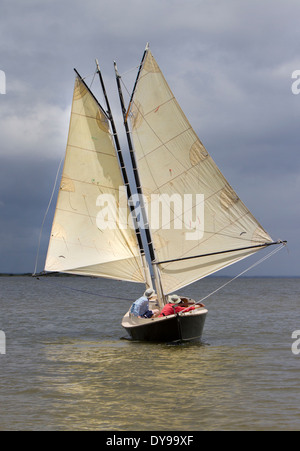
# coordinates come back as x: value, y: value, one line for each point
x: 99, y: 231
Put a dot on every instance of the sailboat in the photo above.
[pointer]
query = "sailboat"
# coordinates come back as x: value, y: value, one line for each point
x: 185, y: 223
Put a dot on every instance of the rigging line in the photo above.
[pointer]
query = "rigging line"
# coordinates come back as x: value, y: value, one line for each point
x: 88, y: 292
x: 126, y: 89
x: 97, y: 294
x: 266, y: 257
x: 49, y: 204
x: 222, y: 252
x: 88, y: 76
x: 130, y: 70
x: 136, y: 81
x: 92, y: 80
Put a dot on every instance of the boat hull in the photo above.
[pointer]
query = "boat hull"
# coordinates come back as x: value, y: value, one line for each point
x: 183, y: 327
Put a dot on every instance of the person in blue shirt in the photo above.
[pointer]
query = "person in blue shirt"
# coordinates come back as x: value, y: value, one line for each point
x: 140, y: 307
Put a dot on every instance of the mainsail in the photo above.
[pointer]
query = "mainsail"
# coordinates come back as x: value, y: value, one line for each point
x: 78, y: 244
x: 199, y: 211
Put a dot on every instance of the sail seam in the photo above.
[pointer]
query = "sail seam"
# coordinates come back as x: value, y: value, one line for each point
x: 81, y: 214
x: 156, y: 109
x: 91, y: 94
x: 91, y: 150
x: 207, y: 239
x: 164, y: 226
x: 111, y: 188
x: 164, y: 144
x: 94, y: 274
x: 133, y: 256
x: 74, y: 113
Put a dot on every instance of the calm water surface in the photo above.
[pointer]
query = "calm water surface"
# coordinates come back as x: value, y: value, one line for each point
x: 68, y: 367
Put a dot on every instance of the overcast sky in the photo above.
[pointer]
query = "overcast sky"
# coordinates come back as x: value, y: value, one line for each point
x: 229, y: 63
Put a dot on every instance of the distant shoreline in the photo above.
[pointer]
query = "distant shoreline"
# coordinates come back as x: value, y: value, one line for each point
x: 27, y: 274
x: 78, y: 275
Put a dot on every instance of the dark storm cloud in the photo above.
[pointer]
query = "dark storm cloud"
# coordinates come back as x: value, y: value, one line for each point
x: 228, y: 63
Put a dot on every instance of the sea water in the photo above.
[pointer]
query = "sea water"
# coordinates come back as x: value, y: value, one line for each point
x: 68, y: 365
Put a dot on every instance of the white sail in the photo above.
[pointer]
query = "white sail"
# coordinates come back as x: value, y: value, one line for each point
x: 199, y: 211
x: 78, y: 244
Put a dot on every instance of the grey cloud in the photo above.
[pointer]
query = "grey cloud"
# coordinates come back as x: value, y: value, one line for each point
x: 228, y: 63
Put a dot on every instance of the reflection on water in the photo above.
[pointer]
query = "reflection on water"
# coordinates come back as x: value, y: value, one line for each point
x: 124, y: 385
x: 68, y: 368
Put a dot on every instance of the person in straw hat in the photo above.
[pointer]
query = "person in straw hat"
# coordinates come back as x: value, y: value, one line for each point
x: 176, y: 305
x: 140, y: 307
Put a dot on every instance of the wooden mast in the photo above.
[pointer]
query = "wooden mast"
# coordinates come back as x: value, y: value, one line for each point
x: 125, y: 180
x: 153, y: 258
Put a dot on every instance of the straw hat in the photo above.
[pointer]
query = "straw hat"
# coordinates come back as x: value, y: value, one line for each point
x: 149, y: 293
x: 175, y: 299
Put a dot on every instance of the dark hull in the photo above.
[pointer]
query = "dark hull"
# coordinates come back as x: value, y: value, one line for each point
x: 186, y: 327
